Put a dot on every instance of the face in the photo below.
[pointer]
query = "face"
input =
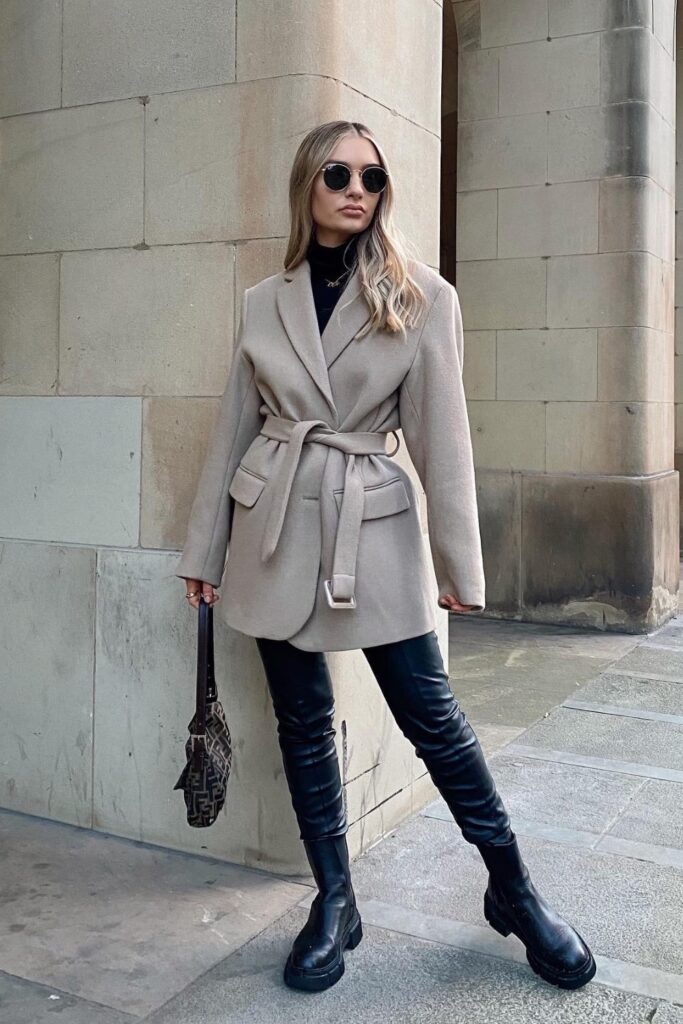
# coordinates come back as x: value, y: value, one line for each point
x: 334, y: 224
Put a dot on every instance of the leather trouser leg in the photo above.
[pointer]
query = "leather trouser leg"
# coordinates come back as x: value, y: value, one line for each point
x: 303, y: 700
x: 414, y: 681
x: 301, y: 690
x: 415, y: 684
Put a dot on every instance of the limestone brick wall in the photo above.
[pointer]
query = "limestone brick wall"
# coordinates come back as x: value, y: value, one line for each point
x: 145, y: 156
x: 566, y: 175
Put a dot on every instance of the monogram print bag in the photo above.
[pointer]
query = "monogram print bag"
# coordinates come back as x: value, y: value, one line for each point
x: 208, y: 748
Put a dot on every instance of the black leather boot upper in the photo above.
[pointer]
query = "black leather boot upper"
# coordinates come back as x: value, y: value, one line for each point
x: 512, y: 903
x: 316, y: 959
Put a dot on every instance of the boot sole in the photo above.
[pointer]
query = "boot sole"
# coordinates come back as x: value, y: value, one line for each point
x: 318, y: 979
x: 570, y: 981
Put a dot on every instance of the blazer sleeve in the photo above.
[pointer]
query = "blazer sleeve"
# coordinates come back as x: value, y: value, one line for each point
x: 436, y: 430
x: 237, y: 424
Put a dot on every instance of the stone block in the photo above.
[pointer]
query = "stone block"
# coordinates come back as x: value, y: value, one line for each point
x: 479, y: 364
x: 550, y: 75
x: 118, y: 49
x: 600, y: 552
x: 508, y: 435
x: 502, y: 293
x: 478, y: 87
x: 477, y: 216
x: 29, y: 316
x: 74, y: 464
x: 30, y: 56
x: 502, y: 152
x: 573, y: 17
x: 617, y: 289
x: 502, y: 23
x: 548, y: 220
x: 550, y: 365
x: 320, y: 40
x: 610, y: 437
x: 73, y: 178
x: 635, y: 364
x: 636, y: 214
x: 147, y: 322
x: 47, y: 629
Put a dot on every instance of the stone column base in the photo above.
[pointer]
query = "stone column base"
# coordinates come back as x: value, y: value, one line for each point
x: 587, y: 550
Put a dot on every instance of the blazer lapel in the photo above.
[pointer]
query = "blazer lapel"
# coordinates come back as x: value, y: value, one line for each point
x: 297, y: 309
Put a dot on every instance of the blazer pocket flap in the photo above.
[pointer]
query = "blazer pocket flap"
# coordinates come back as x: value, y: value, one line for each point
x: 382, y: 499
x: 245, y: 487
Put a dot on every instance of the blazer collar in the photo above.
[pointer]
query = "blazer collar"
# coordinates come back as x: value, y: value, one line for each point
x: 296, y: 306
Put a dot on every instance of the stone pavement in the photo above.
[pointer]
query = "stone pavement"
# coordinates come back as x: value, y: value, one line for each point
x: 584, y: 734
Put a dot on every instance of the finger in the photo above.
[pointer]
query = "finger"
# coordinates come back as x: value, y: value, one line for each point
x: 210, y: 595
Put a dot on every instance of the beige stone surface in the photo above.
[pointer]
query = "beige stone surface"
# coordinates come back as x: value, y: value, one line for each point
x: 508, y: 435
x: 477, y: 234
x: 502, y: 294
x: 323, y: 39
x: 29, y: 322
x: 550, y: 365
x: 479, y: 364
x: 610, y: 437
x: 30, y: 55
x: 555, y: 75
x: 72, y: 178
x: 548, y: 220
x: 635, y: 364
x: 147, y: 322
x: 119, y: 49
x: 47, y: 625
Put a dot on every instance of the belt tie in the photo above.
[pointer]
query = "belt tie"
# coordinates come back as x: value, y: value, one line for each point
x: 340, y: 588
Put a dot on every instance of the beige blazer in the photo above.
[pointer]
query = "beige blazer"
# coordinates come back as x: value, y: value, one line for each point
x: 320, y: 526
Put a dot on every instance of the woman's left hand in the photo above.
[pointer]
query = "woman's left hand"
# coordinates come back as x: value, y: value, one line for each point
x: 451, y: 602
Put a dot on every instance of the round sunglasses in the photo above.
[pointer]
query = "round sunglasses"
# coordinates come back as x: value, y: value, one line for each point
x: 337, y: 176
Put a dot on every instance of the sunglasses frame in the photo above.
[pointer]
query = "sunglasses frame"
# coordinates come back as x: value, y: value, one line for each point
x: 342, y: 163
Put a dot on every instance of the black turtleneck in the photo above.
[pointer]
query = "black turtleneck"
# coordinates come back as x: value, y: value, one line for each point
x: 329, y: 263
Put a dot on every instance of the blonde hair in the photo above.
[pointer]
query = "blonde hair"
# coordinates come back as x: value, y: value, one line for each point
x: 393, y: 295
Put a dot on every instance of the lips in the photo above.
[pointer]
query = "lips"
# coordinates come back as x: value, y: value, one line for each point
x: 353, y: 209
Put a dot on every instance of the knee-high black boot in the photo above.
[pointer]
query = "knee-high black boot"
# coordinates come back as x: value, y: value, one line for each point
x: 303, y: 701
x: 415, y: 683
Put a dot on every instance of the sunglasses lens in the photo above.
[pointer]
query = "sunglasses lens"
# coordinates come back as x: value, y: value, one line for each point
x: 374, y: 179
x: 336, y: 176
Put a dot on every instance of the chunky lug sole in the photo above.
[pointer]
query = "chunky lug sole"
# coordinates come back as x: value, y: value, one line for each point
x: 319, y: 978
x: 573, y: 979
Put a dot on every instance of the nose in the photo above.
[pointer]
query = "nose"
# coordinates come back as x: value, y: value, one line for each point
x: 355, y: 185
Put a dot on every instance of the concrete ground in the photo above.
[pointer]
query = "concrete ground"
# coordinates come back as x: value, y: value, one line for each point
x: 584, y: 734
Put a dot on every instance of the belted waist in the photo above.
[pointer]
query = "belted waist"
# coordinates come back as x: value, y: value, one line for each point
x: 340, y: 588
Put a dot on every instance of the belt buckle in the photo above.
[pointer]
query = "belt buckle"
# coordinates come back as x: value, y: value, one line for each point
x: 335, y: 603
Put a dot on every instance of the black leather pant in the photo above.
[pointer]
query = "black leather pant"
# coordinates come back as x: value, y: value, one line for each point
x: 415, y: 684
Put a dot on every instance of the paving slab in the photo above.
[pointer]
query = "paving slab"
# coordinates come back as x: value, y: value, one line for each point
x: 122, y: 923
x: 653, y: 659
x: 558, y: 641
x: 513, y: 686
x: 391, y: 977
x: 25, y: 1002
x: 653, y: 815
x: 609, y: 736
x: 634, y: 692
x: 555, y: 794
x: 625, y: 908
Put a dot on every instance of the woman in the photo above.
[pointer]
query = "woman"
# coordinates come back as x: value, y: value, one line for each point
x: 352, y: 341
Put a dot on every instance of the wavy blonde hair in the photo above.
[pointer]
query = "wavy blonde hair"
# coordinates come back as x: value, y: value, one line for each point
x: 393, y: 295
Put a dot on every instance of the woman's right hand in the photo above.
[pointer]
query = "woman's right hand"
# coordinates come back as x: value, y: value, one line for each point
x: 199, y: 588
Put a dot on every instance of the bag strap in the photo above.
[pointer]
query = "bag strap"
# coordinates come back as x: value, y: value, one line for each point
x: 206, y: 681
